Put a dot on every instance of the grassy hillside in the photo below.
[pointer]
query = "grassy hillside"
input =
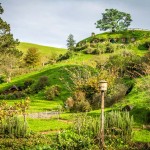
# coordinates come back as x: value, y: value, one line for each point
x: 58, y: 74
x: 137, y: 34
x: 131, y: 40
x: 44, y: 50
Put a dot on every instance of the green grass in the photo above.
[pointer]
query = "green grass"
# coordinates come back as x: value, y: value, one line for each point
x: 138, y: 97
x: 141, y: 136
x: 44, y: 50
x: 138, y: 34
x: 41, y: 125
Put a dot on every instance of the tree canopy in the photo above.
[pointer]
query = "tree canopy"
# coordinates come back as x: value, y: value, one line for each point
x: 9, y: 55
x: 7, y: 42
x: 114, y: 20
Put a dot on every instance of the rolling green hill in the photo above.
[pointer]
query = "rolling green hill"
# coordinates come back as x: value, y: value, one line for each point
x: 44, y: 50
x: 130, y: 41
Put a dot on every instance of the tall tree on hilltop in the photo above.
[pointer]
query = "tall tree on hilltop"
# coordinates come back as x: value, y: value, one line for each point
x: 114, y: 20
x: 9, y: 55
x: 70, y: 42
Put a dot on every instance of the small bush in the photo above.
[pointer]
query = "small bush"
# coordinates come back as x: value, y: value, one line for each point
x: 78, y: 103
x: 88, y: 50
x: 82, y: 106
x: 109, y: 48
x: 19, y: 94
x: 70, y: 140
x: 2, y: 79
x: 52, y: 92
x: 65, y: 56
x: 28, y: 83
x: 41, y: 84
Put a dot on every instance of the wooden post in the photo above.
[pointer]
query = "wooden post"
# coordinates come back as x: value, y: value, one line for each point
x: 102, y: 120
x: 103, y: 88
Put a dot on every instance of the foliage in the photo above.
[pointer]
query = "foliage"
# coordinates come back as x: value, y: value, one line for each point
x: 109, y: 48
x: 32, y: 58
x: 2, y: 79
x: 28, y: 83
x: 9, y: 55
x: 70, y: 42
x: 7, y: 42
x: 118, y: 130
x: 67, y: 55
x: 41, y: 84
x: 52, y: 92
x: 34, y: 141
x: 10, y: 123
x: 69, y: 140
x: 114, y: 20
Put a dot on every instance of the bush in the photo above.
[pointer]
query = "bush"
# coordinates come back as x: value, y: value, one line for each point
x: 79, y: 102
x: 2, y: 79
x: 83, y: 106
x: 89, y: 50
x: 118, y: 129
x: 65, y: 56
x: 109, y: 48
x: 52, y: 92
x: 11, y: 125
x: 70, y: 140
x: 28, y: 83
x: 41, y: 84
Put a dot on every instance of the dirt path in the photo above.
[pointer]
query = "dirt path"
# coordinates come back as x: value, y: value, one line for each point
x: 44, y: 115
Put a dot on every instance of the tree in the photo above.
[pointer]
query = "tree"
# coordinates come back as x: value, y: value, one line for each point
x: 70, y: 42
x: 7, y: 42
x: 114, y: 20
x: 9, y: 55
x: 32, y: 58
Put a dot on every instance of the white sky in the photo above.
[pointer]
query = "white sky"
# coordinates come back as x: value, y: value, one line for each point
x: 49, y: 22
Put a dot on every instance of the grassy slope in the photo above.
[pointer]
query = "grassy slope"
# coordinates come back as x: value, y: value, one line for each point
x: 139, y: 35
x: 44, y: 50
x: 139, y: 99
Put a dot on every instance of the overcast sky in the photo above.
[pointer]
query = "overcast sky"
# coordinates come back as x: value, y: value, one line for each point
x: 49, y: 22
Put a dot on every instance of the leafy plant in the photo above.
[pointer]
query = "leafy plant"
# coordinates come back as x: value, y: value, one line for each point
x: 52, y: 92
x: 41, y: 84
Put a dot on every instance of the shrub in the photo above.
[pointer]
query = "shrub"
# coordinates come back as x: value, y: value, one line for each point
x: 82, y: 106
x: 109, y: 48
x: 13, y: 126
x: 28, y: 83
x: 70, y: 140
x: 78, y: 103
x: 2, y: 79
x: 41, y: 84
x: 88, y: 50
x: 118, y: 128
x: 65, y: 56
x: 10, y: 123
x: 52, y: 92
x: 19, y: 94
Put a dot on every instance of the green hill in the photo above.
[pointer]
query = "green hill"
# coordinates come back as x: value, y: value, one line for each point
x: 44, y: 50
x: 85, y: 62
x: 132, y: 40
